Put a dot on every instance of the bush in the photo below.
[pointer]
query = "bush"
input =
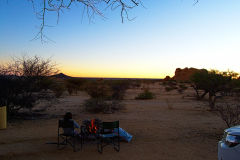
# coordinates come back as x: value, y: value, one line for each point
x: 94, y: 105
x: 105, y: 95
x: 169, y: 83
x: 58, y: 89
x: 145, y: 95
x: 24, y: 81
x: 118, y: 88
x: 99, y: 105
x: 182, y: 88
x: 98, y: 89
x: 116, y: 106
x: 135, y: 84
x: 170, y: 88
x: 230, y: 114
x: 73, y: 85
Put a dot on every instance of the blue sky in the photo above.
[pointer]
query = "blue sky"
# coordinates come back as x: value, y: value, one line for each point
x: 165, y: 35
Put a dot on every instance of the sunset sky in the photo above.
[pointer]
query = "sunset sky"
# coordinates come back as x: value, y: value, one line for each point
x: 165, y: 35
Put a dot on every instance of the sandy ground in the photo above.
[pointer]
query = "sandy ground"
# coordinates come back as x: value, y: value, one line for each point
x: 186, y: 132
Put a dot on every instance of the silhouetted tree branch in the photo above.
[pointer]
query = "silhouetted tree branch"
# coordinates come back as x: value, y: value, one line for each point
x: 91, y: 8
x: 24, y: 81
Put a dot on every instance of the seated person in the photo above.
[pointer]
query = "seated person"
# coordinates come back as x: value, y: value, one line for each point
x: 68, y: 117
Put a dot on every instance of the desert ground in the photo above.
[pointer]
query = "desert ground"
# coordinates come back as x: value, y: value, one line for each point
x: 172, y: 126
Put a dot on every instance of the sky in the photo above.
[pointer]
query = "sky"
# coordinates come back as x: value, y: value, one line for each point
x: 165, y: 35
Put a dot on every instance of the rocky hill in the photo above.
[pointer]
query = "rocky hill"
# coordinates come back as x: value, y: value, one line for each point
x: 184, y: 74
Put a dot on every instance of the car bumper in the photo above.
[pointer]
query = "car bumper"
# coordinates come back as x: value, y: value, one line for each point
x: 228, y: 153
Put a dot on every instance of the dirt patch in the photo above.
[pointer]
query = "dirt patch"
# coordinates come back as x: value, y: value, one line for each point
x: 187, y: 131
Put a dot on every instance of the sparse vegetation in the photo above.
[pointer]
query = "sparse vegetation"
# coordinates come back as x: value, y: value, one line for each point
x: 170, y: 85
x: 58, y: 88
x: 105, y: 95
x: 118, y: 88
x: 181, y: 88
x: 74, y: 85
x: 229, y: 113
x: 24, y: 81
x: 211, y: 83
x: 145, y: 95
x: 95, y: 105
x: 170, y: 88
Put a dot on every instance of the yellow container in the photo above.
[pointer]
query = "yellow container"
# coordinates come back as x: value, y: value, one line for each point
x: 3, y: 117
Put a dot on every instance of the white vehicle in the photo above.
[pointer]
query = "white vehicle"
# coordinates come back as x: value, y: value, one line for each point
x: 229, y: 146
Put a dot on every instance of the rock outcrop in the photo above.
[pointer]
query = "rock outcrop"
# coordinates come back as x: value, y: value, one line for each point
x: 167, y: 78
x: 184, y: 74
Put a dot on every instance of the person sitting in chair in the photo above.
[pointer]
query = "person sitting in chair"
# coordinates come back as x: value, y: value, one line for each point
x: 68, y: 117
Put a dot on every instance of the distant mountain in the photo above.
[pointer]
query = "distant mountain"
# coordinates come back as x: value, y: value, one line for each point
x: 61, y: 76
x: 64, y: 76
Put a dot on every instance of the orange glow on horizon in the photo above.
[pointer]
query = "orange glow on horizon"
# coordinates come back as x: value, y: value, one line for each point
x: 102, y: 74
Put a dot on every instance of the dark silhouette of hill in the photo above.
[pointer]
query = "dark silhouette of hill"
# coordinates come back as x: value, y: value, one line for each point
x: 61, y: 76
x: 64, y: 76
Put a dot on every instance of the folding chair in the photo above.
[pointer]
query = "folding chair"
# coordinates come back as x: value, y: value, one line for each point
x: 66, y: 134
x: 109, y: 134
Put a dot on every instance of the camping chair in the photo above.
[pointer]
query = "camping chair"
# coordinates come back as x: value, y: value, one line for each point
x: 69, y: 137
x: 108, y: 136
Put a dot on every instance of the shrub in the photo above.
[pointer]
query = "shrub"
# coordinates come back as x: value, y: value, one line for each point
x: 182, y: 88
x: 73, y: 85
x: 118, y: 88
x: 58, y: 89
x: 105, y: 95
x: 98, y: 89
x: 170, y: 88
x: 23, y: 82
x: 116, y: 106
x: 94, y: 105
x: 230, y: 114
x: 99, y: 105
x: 145, y: 95
x: 169, y: 83
x: 135, y: 84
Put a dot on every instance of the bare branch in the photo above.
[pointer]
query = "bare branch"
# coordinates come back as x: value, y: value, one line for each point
x: 91, y: 8
x: 196, y: 1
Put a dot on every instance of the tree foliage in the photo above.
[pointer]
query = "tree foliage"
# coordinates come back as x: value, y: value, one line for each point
x: 211, y: 83
x: 24, y: 81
